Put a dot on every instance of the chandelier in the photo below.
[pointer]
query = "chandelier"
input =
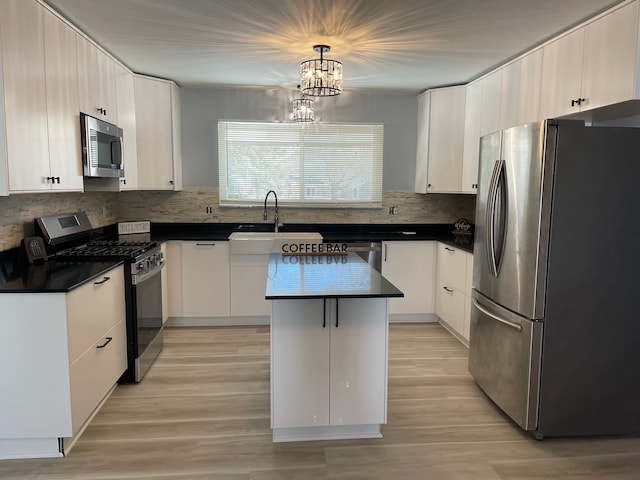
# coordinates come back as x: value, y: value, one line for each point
x: 321, y: 77
x: 303, y: 110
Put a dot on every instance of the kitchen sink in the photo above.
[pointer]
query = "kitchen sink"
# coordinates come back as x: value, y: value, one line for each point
x: 264, y: 243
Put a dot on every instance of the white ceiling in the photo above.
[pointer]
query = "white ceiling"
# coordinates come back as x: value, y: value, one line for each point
x: 388, y: 45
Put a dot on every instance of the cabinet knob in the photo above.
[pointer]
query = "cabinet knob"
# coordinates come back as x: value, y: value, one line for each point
x: 171, y: 182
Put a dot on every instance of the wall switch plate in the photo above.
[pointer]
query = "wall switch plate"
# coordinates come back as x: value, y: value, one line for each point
x: 393, y: 210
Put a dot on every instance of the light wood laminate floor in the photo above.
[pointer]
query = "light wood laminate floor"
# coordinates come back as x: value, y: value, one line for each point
x: 202, y: 412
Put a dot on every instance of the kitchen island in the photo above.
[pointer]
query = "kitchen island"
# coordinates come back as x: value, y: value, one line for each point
x: 329, y: 336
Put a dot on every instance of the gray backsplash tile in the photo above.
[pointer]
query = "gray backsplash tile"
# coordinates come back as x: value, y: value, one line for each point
x: 18, y: 211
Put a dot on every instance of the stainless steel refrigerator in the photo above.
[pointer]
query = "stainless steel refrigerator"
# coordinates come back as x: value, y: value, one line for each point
x: 555, y: 326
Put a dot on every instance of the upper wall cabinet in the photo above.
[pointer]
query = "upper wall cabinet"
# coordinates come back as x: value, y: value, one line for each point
x: 40, y: 100
x: 593, y: 66
x: 158, y: 134
x: 473, y: 112
x: 520, y: 91
x: 96, y: 82
x: 61, y: 76
x: 440, y: 140
x: 491, y: 102
x: 4, y: 174
x: 126, y: 109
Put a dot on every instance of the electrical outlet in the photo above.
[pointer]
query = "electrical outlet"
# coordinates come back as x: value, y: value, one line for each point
x: 393, y: 210
x: 208, y: 210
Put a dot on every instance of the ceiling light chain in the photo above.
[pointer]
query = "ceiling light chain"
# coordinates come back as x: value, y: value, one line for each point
x: 321, y: 77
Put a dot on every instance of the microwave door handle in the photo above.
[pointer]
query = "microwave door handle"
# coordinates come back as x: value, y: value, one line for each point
x: 117, y: 141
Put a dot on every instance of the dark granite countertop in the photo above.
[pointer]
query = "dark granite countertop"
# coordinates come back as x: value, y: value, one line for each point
x: 299, y: 277
x: 50, y: 277
x: 330, y: 232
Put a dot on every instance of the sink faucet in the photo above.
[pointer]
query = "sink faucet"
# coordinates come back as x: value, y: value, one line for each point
x: 264, y: 214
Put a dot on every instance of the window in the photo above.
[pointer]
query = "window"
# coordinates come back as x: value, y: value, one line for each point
x: 308, y: 165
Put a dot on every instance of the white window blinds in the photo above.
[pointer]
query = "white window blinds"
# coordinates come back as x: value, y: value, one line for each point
x: 309, y: 165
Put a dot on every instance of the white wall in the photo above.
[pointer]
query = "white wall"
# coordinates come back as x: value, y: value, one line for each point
x: 203, y: 107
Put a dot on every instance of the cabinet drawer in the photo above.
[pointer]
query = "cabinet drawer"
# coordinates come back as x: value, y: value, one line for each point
x: 450, y: 306
x: 95, y: 372
x: 452, y: 266
x: 94, y: 308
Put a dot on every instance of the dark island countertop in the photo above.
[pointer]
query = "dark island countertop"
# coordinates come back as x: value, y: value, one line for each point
x: 339, y: 276
x: 331, y: 233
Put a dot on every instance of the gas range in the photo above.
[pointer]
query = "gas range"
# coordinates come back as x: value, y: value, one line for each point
x: 106, y: 249
x: 144, y: 256
x: 70, y: 236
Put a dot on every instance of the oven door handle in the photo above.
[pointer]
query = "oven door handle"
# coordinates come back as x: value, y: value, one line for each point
x: 137, y: 279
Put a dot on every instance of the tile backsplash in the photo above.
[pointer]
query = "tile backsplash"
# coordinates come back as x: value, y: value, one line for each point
x: 190, y: 205
x: 18, y: 211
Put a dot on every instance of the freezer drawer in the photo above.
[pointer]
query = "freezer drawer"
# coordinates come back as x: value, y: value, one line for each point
x: 504, y: 359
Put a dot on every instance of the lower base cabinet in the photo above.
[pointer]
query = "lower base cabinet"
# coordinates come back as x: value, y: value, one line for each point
x: 329, y: 367
x: 66, y: 352
x: 453, y: 289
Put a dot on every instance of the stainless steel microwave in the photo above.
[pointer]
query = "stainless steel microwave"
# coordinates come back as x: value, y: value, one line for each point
x: 101, y: 148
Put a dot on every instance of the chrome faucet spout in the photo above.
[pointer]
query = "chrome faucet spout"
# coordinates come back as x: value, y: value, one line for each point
x: 264, y: 213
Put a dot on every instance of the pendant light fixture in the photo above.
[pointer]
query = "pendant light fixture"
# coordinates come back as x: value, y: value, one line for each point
x: 321, y: 77
x: 303, y: 110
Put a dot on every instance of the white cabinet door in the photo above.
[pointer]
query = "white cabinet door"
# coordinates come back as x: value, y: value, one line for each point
x: 450, y: 306
x: 610, y: 58
x: 4, y: 173
x: 562, y: 75
x: 173, y: 269
x: 520, y: 98
x: 61, y: 78
x: 441, y: 138
x: 471, y: 153
x: 248, y: 286
x: 96, y: 82
x: 25, y: 109
x: 358, y: 338
x: 155, y: 134
x: 452, y: 265
x: 491, y: 97
x: 126, y: 108
x: 410, y: 266
x: 205, y: 279
x: 299, y: 364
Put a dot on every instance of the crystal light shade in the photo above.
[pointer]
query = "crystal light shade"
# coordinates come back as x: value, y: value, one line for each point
x: 321, y: 77
x: 303, y: 110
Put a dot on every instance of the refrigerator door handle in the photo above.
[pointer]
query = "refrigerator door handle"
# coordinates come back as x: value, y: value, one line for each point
x: 498, y: 172
x: 495, y: 317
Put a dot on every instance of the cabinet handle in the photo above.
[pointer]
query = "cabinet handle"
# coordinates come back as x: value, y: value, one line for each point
x: 56, y: 180
x: 324, y: 313
x: 205, y: 244
x: 104, y: 280
x: 386, y: 249
x: 447, y: 289
x: 170, y: 182
x: 337, y: 314
x: 577, y: 101
x: 449, y: 249
x: 107, y: 341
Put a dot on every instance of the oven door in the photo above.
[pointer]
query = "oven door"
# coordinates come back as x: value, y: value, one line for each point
x: 147, y: 325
